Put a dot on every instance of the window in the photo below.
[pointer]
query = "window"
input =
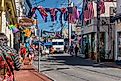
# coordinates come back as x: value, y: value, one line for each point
x: 60, y: 43
x: 54, y: 43
x: 112, y: 11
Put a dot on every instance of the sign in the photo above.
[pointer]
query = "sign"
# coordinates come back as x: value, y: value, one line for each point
x: 26, y: 22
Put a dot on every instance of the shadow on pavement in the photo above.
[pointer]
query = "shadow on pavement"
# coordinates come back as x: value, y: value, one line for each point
x: 78, y: 61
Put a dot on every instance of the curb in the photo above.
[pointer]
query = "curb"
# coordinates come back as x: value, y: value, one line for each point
x: 114, y: 66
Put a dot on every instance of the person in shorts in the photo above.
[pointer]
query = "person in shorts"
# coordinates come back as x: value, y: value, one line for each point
x: 23, y: 52
x: 31, y: 54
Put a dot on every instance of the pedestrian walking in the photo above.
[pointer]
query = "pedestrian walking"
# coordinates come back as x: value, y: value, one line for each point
x: 71, y: 50
x: 65, y: 48
x: 23, y: 53
x: 41, y: 51
x: 86, y: 51
x: 31, y: 54
x: 52, y: 50
x: 76, y: 50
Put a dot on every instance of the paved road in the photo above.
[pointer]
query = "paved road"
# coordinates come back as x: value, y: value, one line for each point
x: 63, y: 67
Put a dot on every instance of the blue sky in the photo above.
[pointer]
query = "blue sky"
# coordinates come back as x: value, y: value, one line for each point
x: 52, y: 4
x: 49, y: 4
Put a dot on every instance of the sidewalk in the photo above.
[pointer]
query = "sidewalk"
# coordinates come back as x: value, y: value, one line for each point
x: 28, y: 73
x: 105, y: 64
x: 112, y: 64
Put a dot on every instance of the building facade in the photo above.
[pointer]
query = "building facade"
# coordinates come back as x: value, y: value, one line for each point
x: 117, y: 23
x: 90, y: 37
x: 8, y: 17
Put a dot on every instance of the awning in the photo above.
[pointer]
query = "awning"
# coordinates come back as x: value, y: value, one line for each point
x: 26, y: 22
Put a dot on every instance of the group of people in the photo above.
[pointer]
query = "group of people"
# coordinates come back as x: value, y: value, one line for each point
x: 73, y: 50
x: 27, y: 53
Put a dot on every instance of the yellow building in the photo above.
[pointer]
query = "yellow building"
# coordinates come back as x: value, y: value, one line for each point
x: 7, y: 17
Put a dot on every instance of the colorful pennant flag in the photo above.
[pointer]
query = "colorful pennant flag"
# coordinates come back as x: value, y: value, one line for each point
x: 88, y: 11
x: 102, y: 7
x: 11, y: 27
x: 43, y: 13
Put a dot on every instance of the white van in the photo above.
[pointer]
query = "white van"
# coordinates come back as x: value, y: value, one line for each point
x: 58, y: 45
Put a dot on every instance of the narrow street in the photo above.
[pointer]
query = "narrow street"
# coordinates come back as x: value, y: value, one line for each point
x: 63, y: 67
x: 35, y: 36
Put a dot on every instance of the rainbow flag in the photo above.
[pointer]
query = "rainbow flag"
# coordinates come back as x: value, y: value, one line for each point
x: 13, y: 28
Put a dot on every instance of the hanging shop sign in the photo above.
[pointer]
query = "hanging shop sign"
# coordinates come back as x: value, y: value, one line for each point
x: 25, y: 22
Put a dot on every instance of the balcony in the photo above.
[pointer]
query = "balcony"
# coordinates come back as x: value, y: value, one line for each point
x: 92, y: 27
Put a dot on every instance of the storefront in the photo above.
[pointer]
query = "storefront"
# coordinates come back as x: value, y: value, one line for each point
x: 118, y: 42
x: 102, y: 46
x: 89, y: 45
x: 86, y: 45
x: 118, y: 46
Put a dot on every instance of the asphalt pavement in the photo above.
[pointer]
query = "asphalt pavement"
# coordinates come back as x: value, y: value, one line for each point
x: 63, y: 67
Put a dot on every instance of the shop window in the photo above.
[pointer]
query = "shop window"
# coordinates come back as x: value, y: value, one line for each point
x: 119, y: 44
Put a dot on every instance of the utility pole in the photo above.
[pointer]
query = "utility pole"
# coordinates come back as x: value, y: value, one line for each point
x: 70, y: 4
x: 98, y: 32
x: 39, y: 52
x: 82, y: 45
x: 38, y: 31
x: 69, y: 34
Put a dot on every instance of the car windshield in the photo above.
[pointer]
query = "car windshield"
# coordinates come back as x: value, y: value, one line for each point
x: 60, y: 43
x: 54, y: 43
x: 57, y: 43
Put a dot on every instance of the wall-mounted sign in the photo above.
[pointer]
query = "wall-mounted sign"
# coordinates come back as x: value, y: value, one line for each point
x: 26, y: 22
